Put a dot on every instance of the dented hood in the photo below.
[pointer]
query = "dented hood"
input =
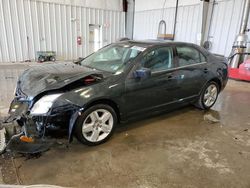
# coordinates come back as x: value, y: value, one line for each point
x: 51, y: 76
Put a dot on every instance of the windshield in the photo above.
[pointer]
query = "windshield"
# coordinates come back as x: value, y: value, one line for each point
x: 112, y: 58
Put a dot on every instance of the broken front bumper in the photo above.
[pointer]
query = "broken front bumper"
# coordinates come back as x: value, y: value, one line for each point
x: 18, y: 109
x: 34, y: 128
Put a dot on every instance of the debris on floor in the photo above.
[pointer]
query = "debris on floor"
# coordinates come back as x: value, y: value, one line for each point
x: 7, y: 169
x: 18, y: 146
x: 210, y: 118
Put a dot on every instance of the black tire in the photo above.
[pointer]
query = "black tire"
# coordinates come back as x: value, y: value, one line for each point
x: 201, y: 103
x: 41, y: 59
x: 52, y: 59
x: 85, y: 117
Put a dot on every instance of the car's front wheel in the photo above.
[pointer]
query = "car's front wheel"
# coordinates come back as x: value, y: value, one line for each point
x: 41, y: 59
x: 96, y: 124
x: 208, y: 96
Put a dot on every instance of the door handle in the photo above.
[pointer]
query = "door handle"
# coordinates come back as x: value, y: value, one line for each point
x: 169, y: 77
x: 205, y: 70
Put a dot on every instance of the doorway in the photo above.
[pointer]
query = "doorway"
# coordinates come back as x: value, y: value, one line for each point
x: 95, y: 37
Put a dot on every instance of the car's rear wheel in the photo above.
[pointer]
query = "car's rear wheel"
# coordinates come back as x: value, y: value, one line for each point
x: 52, y: 59
x: 96, y: 124
x: 208, y: 96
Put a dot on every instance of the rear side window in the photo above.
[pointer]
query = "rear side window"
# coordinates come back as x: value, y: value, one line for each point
x: 189, y: 56
x: 158, y: 59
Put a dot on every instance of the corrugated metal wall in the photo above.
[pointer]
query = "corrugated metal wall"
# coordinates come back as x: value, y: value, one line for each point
x: 146, y: 22
x: 189, y: 21
x: 225, y: 25
x: 187, y: 28
x: 27, y: 26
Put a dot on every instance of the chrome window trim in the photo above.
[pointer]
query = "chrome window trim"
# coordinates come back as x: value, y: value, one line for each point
x: 177, y: 68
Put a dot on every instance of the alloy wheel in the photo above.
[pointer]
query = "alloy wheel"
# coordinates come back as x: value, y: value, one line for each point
x: 210, y: 95
x: 98, y: 125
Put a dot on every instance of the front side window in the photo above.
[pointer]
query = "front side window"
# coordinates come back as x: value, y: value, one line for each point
x: 189, y: 56
x: 158, y: 59
x: 112, y: 58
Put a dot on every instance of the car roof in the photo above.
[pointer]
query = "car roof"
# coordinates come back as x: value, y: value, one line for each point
x: 155, y: 43
x: 149, y: 43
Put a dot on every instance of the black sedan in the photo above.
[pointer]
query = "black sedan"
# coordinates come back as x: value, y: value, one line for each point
x: 119, y: 82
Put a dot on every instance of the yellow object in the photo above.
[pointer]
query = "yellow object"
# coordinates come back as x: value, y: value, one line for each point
x: 165, y: 36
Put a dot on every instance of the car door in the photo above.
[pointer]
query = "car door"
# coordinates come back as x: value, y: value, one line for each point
x: 152, y: 92
x: 191, y: 71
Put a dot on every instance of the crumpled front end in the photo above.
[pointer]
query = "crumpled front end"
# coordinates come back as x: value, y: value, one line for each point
x: 34, y: 127
x: 50, y: 98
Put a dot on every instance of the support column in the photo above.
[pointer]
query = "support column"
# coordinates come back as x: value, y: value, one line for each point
x: 129, y: 19
x: 207, y: 16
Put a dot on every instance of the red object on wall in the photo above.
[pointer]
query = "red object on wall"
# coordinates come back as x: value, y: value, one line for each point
x: 79, y: 40
x: 241, y: 73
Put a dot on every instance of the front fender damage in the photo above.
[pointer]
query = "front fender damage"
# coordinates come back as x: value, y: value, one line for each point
x: 72, y: 122
x: 62, y: 115
x: 23, y: 140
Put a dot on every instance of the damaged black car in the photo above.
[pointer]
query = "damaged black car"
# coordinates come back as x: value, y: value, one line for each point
x: 119, y: 82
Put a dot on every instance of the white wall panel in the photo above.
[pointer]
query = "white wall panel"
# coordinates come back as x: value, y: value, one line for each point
x: 188, y: 25
x: 141, y: 5
x: 9, y: 30
x: 30, y: 35
x: 99, y: 4
x: 225, y: 25
x: 187, y: 28
x: 5, y: 56
x: 28, y: 26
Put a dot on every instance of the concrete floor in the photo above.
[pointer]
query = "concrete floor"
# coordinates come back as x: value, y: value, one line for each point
x: 178, y: 149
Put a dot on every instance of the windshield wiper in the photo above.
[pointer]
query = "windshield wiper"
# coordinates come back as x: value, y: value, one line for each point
x: 89, y: 67
x: 94, y: 68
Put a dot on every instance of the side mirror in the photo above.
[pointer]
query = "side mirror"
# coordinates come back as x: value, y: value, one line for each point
x: 142, y: 73
x: 78, y: 61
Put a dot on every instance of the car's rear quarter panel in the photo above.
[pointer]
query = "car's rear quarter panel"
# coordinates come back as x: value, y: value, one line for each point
x: 219, y: 68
